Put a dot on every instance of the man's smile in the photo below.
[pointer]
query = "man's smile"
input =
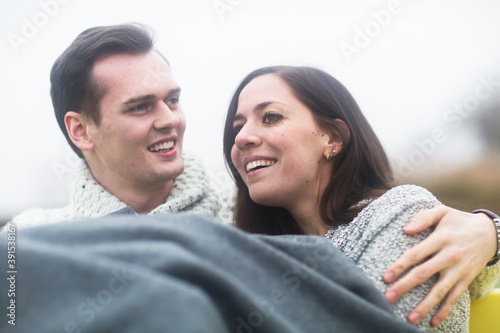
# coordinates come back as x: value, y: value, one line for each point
x: 162, y: 147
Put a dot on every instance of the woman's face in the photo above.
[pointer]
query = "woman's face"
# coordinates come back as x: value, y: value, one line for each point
x: 279, y: 150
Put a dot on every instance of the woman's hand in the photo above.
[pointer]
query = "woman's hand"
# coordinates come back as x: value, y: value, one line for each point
x: 459, y: 248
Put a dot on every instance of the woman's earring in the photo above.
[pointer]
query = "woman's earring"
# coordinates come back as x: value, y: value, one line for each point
x: 327, y: 157
x: 334, y: 152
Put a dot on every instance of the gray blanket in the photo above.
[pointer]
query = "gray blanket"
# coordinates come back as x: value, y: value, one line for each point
x: 182, y: 273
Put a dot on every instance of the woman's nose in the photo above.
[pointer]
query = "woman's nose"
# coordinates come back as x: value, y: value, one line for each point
x: 247, y: 137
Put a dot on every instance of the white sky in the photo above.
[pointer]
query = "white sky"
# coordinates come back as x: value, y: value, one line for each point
x: 426, y: 57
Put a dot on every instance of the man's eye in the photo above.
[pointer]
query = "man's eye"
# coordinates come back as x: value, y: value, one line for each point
x: 140, y: 107
x: 271, y: 118
x: 173, y: 101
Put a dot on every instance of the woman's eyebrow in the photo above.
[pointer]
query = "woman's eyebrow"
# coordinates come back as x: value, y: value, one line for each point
x: 237, y: 117
x: 258, y: 107
x: 263, y: 105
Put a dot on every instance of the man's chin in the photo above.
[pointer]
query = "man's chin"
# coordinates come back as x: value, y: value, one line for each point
x: 173, y: 170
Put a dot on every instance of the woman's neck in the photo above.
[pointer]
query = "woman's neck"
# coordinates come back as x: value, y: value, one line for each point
x: 310, y: 221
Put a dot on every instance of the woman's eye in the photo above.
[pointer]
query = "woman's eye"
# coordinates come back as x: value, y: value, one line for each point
x: 237, y: 129
x: 271, y: 118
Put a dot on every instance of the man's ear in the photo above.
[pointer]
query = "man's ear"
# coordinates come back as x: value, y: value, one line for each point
x: 77, y: 127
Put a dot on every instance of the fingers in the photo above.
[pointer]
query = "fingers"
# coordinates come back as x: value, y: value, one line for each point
x: 457, y: 249
x: 417, y: 276
x: 436, y: 294
x: 448, y: 289
x: 451, y: 299
x: 412, y: 257
x: 426, y: 218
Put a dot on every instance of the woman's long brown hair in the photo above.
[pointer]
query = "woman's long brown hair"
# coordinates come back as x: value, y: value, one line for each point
x: 361, y: 170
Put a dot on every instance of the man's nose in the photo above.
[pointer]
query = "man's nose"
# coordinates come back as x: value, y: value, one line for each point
x: 165, y: 117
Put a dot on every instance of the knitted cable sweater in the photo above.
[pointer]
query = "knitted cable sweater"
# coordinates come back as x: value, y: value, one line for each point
x: 375, y: 239
x: 192, y: 192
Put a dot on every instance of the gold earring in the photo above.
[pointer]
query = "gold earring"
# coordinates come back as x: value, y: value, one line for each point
x: 327, y: 157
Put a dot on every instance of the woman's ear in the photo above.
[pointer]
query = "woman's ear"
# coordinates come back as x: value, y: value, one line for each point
x: 342, y: 131
x: 330, y: 147
x: 339, y: 134
x: 77, y: 128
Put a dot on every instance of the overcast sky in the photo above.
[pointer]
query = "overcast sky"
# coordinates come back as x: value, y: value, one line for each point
x: 407, y: 63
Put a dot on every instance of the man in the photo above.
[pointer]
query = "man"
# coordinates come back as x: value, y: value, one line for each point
x: 118, y: 106
x: 117, y: 103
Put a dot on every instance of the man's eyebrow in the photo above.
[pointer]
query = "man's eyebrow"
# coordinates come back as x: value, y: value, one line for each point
x: 258, y: 107
x: 174, y: 91
x: 139, y: 99
x: 150, y: 96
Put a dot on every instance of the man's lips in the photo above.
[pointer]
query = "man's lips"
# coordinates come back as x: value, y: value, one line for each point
x: 162, y: 147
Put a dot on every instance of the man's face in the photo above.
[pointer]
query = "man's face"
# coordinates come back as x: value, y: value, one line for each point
x: 138, y: 143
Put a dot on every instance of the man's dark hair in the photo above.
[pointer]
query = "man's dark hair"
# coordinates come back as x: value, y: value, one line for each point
x: 73, y: 87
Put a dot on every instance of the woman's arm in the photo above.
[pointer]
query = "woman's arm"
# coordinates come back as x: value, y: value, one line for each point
x: 460, y: 247
x: 376, y: 238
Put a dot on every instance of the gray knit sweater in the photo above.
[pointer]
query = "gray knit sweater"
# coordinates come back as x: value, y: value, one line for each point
x: 192, y: 192
x: 375, y: 238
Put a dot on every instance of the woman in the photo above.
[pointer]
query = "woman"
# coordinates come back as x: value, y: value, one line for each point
x: 306, y: 161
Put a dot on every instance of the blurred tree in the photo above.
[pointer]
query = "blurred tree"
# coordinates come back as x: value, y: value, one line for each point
x: 474, y: 185
x: 488, y: 123
x: 477, y: 185
x: 467, y: 188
